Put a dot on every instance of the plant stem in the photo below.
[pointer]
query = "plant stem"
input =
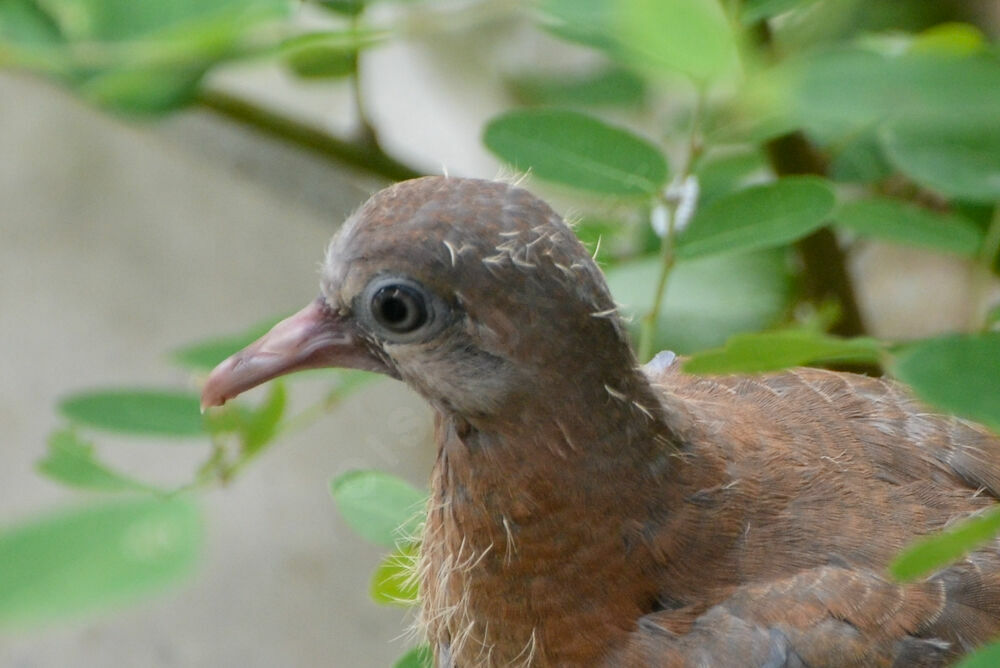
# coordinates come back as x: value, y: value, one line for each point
x: 668, y: 259
x: 366, y: 135
x: 362, y: 154
x: 824, y: 263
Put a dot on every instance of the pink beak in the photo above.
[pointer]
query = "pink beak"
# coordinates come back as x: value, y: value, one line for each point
x: 313, y: 338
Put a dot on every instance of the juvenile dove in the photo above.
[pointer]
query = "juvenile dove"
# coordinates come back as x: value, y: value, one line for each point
x: 588, y: 511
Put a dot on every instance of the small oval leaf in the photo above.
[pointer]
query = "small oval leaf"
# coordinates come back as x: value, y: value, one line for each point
x: 394, y: 582
x: 322, y: 62
x: 134, y: 411
x: 608, y: 86
x: 961, y: 161
x: 141, y: 57
x: 845, y: 90
x: 760, y: 10
x: 142, y: 91
x: 346, y: 7
x: 384, y: 509
x: 987, y: 657
x: 859, y: 159
x: 932, y: 553
x: 587, y: 22
x: 958, y: 373
x: 577, y: 150
x: 71, y: 461
x: 204, y: 355
x: 951, y: 38
x: 758, y: 217
x: 262, y: 423
x: 692, y: 37
x: 770, y: 351
x: 905, y: 223
x: 707, y: 300
x: 418, y: 657
x: 721, y: 175
x: 94, y: 557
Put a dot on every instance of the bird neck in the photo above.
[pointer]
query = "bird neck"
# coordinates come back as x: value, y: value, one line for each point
x: 514, y: 502
x: 577, y: 418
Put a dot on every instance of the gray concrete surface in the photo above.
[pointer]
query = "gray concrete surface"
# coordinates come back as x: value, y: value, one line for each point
x: 119, y: 242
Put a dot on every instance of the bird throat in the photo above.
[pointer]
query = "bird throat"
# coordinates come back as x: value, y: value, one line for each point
x: 504, y: 544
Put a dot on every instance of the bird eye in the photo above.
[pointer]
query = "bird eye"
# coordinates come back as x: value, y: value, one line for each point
x: 399, y: 308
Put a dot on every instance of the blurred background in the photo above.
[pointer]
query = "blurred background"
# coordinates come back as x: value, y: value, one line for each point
x: 169, y: 177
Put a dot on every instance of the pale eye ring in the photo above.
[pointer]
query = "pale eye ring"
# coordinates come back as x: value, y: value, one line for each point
x: 399, y: 308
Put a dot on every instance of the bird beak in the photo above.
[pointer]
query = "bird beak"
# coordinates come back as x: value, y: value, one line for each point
x: 314, y: 337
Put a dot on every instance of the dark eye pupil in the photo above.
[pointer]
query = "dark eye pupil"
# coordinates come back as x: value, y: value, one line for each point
x: 394, y: 310
x: 399, y: 308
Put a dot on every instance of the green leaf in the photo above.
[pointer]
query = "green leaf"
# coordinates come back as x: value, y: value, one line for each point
x: 951, y: 38
x: 24, y: 21
x: 384, y: 509
x: 958, y: 160
x: 707, y: 300
x: 606, y: 238
x: 205, y: 355
x: 587, y: 22
x: 351, y: 39
x: 957, y: 373
x: 262, y: 423
x: 394, y: 582
x: 932, y: 553
x: 91, y: 558
x: 847, y: 89
x: 860, y: 159
x: 992, y: 319
x: 692, y: 37
x: 573, y: 149
x: 256, y: 427
x: 905, y: 223
x: 608, y: 86
x: 758, y: 217
x: 71, y: 461
x: 721, y: 175
x: 987, y: 657
x: 121, y: 20
x: 770, y: 351
x: 322, y: 62
x: 418, y: 657
x: 135, y: 56
x: 759, y: 10
x: 135, y: 411
x: 346, y: 7
x: 141, y: 91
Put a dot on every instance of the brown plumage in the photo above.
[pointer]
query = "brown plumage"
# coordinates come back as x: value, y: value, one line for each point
x: 586, y: 510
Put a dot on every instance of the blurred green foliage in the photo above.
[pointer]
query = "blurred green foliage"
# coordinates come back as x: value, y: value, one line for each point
x: 784, y: 119
x: 92, y: 557
x: 138, y: 56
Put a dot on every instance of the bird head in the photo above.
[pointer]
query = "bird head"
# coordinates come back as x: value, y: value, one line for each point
x: 475, y: 293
